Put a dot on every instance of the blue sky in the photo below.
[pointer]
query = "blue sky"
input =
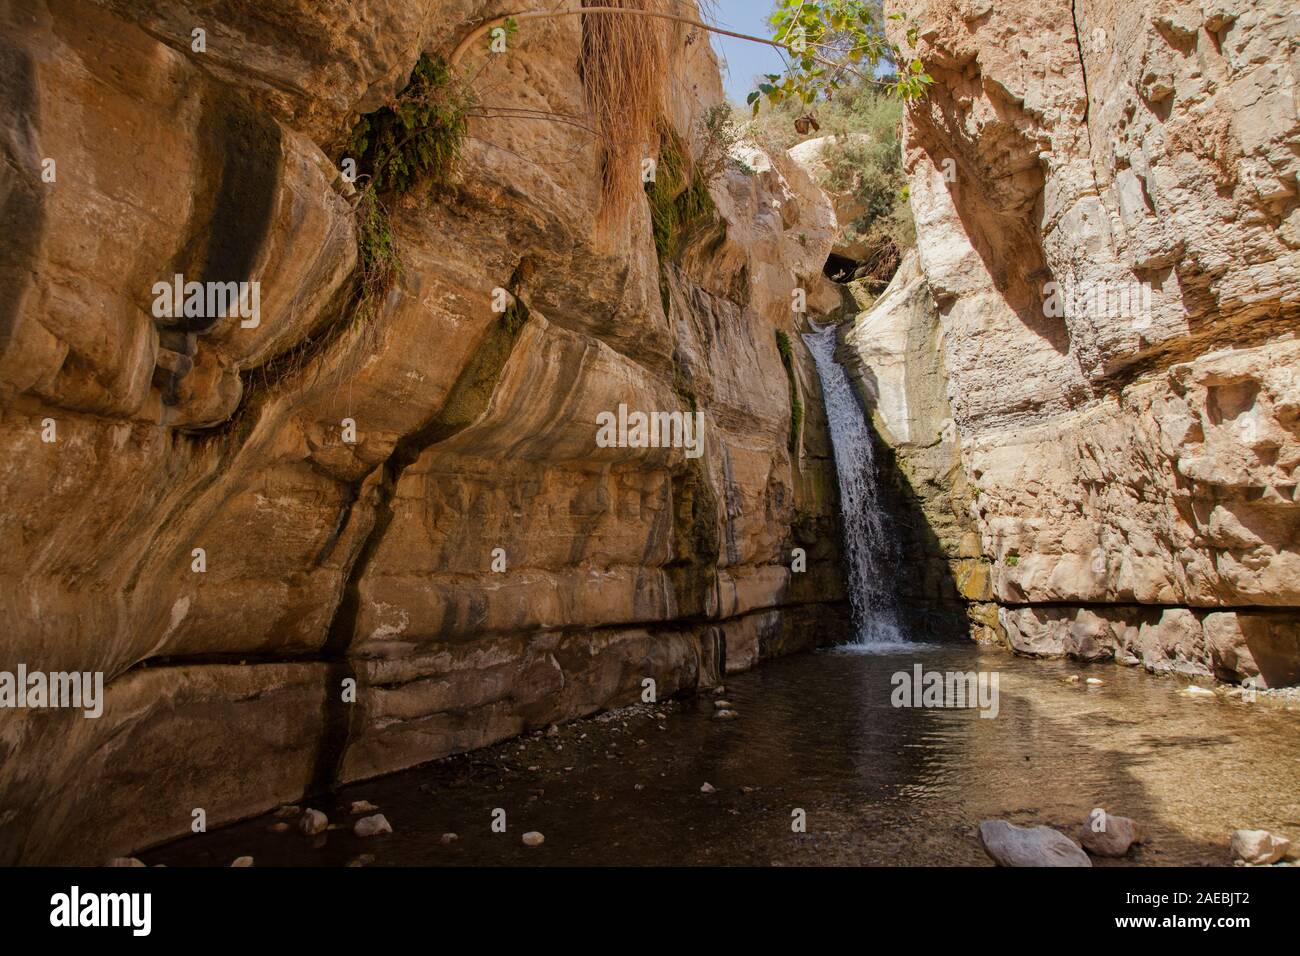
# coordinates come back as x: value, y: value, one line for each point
x: 744, y: 60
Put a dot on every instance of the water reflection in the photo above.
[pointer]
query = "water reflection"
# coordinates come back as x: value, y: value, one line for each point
x: 879, y: 784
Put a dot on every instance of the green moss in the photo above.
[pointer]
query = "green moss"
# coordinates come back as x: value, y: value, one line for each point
x: 380, y: 266
x: 415, y: 140
x: 418, y: 138
x: 796, y: 406
x: 679, y: 203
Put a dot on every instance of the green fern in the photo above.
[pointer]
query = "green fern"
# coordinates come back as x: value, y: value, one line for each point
x: 416, y: 139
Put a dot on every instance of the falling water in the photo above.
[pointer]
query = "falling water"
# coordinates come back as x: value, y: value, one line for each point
x: 870, y: 548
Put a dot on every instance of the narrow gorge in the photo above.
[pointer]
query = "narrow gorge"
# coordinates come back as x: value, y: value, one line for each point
x: 553, y: 445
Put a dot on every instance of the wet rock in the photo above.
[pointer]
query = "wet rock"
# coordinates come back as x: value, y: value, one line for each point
x: 242, y: 861
x: 722, y: 704
x: 1258, y: 847
x: 553, y: 731
x: 447, y: 839
x: 365, y: 859
x: 363, y: 806
x: 708, y: 788
x: 719, y: 690
x: 125, y: 861
x: 1094, y: 682
x: 1195, y: 690
x: 280, y: 827
x: 533, y: 838
x: 1010, y: 845
x: 372, y: 826
x: 725, y: 715
x: 313, y: 822
x: 286, y: 811
x: 1118, y: 835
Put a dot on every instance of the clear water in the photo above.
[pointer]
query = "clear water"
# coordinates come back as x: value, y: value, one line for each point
x: 870, y: 548
x: 818, y: 732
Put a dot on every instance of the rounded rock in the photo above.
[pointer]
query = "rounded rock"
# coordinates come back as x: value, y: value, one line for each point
x: 1118, y: 835
x: 372, y: 826
x: 313, y: 822
x: 1010, y: 845
x: 1258, y: 847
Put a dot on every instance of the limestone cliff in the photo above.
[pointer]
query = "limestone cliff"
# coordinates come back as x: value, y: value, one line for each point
x: 1109, y: 254
x: 236, y: 524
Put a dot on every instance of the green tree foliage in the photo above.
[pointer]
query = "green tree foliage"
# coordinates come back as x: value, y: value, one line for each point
x: 833, y: 45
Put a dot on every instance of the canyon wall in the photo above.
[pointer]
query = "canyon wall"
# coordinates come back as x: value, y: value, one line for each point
x: 237, y: 525
x: 1108, y: 267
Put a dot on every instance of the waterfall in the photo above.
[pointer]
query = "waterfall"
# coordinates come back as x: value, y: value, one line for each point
x: 870, y: 549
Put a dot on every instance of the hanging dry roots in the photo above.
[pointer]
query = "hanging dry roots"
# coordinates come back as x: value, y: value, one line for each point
x: 623, y: 64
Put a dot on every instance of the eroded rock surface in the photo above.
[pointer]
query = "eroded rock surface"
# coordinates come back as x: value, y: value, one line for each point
x: 330, y: 563
x: 1133, y: 458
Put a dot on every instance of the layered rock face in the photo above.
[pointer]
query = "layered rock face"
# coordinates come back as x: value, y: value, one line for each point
x: 1108, y: 232
x: 894, y: 352
x: 314, y: 549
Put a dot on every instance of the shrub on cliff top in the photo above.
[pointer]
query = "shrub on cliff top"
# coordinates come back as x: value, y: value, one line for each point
x: 871, y: 170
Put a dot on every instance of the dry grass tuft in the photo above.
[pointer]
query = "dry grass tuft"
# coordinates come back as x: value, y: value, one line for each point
x: 624, y: 67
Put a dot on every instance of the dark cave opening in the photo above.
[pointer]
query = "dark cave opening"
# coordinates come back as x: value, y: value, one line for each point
x: 840, y: 268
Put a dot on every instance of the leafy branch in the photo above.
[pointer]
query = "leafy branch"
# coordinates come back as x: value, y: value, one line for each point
x: 830, y: 43
x: 833, y: 44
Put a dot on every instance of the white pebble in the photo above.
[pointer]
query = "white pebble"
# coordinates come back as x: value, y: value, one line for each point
x: 313, y: 822
x: 372, y: 826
